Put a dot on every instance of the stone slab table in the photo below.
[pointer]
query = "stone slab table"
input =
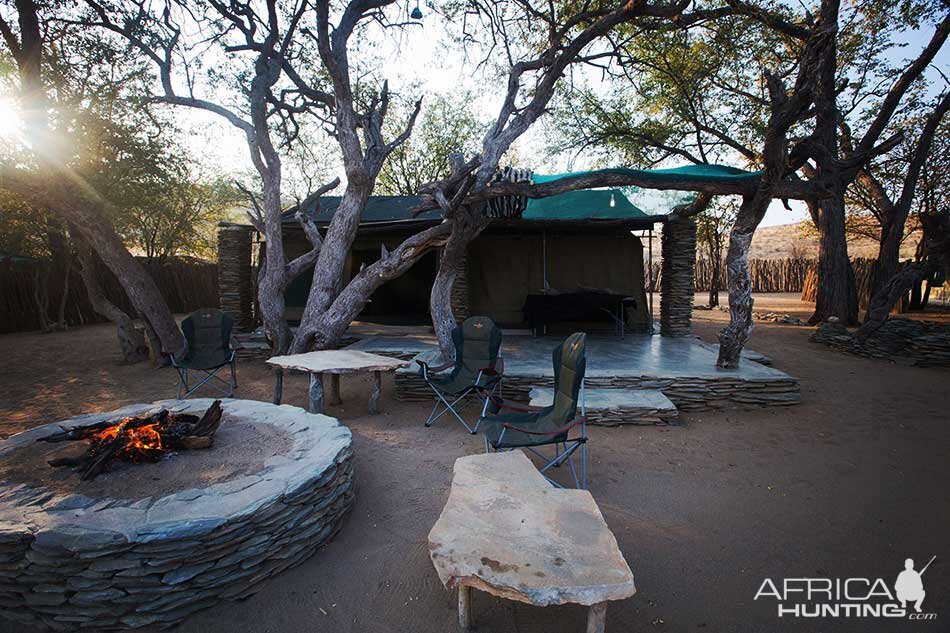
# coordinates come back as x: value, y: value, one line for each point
x: 612, y: 407
x: 508, y: 532
x: 334, y: 363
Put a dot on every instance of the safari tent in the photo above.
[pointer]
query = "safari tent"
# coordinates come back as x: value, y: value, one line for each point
x: 586, y: 244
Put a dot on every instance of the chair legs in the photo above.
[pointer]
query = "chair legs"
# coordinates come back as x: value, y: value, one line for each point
x: 449, y: 407
x: 443, y: 406
x: 185, y: 390
x: 560, y: 457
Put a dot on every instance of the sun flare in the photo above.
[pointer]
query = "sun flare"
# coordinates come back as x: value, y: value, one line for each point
x: 11, y: 123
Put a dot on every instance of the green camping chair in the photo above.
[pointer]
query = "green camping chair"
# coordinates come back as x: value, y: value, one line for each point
x: 208, y: 333
x: 477, y: 369
x: 513, y: 426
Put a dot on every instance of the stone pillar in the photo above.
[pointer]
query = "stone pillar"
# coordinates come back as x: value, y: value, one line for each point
x: 459, y: 298
x: 234, y: 274
x: 677, y: 283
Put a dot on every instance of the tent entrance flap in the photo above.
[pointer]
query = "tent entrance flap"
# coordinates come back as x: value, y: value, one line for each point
x: 505, y: 268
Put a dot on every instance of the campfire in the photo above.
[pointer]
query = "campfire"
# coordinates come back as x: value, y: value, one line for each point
x: 141, y: 439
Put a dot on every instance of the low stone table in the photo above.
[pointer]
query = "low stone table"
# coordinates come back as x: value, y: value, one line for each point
x: 613, y: 407
x: 508, y: 532
x: 336, y: 362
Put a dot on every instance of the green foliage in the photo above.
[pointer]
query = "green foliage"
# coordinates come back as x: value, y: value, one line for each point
x: 676, y: 95
x: 119, y: 154
x: 713, y: 226
x: 445, y: 125
x: 21, y: 227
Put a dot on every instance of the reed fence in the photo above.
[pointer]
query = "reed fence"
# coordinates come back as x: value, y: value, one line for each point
x: 186, y: 284
x: 768, y: 275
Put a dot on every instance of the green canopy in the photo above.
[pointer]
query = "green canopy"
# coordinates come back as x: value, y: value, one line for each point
x: 584, y: 204
x: 687, y: 173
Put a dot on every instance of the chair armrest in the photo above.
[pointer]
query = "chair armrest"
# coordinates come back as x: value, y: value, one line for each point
x: 435, y: 369
x: 502, y: 405
x: 564, y: 429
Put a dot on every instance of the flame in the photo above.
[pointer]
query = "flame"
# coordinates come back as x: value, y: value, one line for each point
x: 142, y: 438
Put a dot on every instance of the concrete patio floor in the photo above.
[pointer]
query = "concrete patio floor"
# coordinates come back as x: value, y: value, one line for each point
x: 683, y: 368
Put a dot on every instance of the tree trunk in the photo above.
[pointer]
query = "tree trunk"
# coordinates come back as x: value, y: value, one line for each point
x: 138, y: 285
x: 131, y: 338
x: 94, y: 227
x: 892, y: 291
x: 41, y: 295
x: 322, y: 331
x: 451, y: 261
x: 272, y: 278
x: 154, y: 343
x: 888, y: 257
x: 714, y: 282
x: 61, y: 265
x: 328, y: 271
x: 837, y: 292
x: 733, y: 337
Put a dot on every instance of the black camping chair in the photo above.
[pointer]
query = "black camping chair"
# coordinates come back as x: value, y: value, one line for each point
x: 513, y: 426
x: 208, y: 333
x: 478, y: 368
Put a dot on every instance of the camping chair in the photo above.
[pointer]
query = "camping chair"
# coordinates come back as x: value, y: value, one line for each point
x: 477, y: 369
x: 208, y: 333
x: 558, y: 425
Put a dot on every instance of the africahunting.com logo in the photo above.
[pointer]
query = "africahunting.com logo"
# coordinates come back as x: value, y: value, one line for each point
x: 850, y: 597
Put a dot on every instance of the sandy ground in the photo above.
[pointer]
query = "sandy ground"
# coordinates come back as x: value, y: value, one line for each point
x: 847, y: 484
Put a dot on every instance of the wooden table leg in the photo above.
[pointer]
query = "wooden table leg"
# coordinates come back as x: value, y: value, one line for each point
x: 465, y: 607
x: 374, y: 394
x: 597, y: 618
x: 278, y: 384
x: 316, y: 393
x: 335, y: 389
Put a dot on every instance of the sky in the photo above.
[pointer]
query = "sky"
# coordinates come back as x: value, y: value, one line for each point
x: 417, y: 61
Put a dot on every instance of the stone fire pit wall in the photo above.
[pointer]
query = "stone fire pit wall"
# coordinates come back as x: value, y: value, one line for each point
x: 72, y: 562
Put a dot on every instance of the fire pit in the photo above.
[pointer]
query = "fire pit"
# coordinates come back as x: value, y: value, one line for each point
x: 144, y: 438
x: 148, y: 543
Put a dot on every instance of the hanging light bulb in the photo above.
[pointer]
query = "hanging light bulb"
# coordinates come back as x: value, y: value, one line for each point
x: 416, y: 13
x: 613, y: 202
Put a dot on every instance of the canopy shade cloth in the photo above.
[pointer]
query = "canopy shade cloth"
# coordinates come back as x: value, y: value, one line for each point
x: 573, y: 206
x: 685, y: 174
x: 586, y: 204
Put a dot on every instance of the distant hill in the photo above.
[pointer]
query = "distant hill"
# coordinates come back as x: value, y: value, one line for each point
x: 788, y: 240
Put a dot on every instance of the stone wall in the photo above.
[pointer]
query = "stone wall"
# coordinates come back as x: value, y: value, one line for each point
x: 677, y: 277
x: 903, y: 341
x: 686, y: 392
x: 459, y: 298
x: 235, y: 286
x: 73, y: 562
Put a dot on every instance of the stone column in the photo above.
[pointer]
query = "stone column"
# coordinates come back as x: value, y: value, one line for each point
x: 234, y: 273
x: 459, y: 298
x: 677, y: 283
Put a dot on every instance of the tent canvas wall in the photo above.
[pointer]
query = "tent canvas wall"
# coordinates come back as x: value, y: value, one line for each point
x: 503, y: 268
x: 577, y: 240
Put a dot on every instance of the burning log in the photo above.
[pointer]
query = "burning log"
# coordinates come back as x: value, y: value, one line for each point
x: 141, y: 439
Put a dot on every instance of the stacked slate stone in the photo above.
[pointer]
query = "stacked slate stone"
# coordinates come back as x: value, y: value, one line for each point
x: 677, y: 274
x: 73, y: 562
x: 903, y: 341
x: 459, y: 295
x: 775, y: 317
x: 614, y: 407
x: 235, y: 291
x: 687, y: 393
